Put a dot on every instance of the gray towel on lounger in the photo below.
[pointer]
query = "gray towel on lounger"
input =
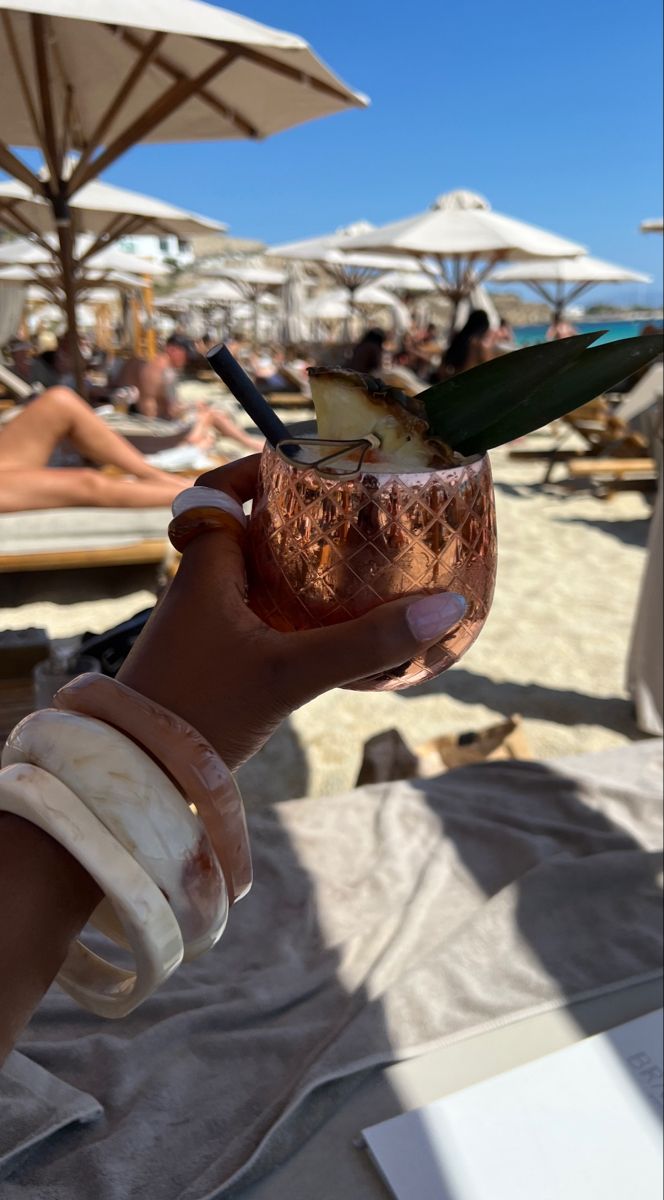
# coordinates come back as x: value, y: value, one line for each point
x: 382, y: 923
x: 35, y: 1106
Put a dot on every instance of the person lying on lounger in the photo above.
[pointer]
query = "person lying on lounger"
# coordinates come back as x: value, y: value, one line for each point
x: 156, y: 383
x: 58, y: 415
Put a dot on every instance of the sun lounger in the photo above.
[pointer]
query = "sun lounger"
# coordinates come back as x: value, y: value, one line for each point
x: 55, y: 539
x: 643, y: 408
x: 289, y: 400
x: 148, y: 434
x: 605, y: 435
x: 608, y: 475
x: 645, y: 669
x: 17, y: 388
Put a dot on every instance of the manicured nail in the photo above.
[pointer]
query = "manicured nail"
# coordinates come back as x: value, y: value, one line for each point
x: 434, y: 615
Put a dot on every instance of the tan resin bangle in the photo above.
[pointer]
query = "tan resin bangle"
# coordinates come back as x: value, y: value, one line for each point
x: 204, y: 780
x: 150, y: 928
x: 189, y: 525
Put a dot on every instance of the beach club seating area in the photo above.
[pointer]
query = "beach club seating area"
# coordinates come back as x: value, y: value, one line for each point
x: 331, y: 607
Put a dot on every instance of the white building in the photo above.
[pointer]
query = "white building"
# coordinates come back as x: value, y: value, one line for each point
x: 160, y: 247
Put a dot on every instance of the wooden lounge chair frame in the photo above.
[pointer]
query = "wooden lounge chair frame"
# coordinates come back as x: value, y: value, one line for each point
x: 604, y: 433
x: 153, y: 550
x: 289, y: 400
x: 609, y: 475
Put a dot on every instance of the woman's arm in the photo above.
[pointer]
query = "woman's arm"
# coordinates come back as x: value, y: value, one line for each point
x: 205, y: 656
x: 46, y: 898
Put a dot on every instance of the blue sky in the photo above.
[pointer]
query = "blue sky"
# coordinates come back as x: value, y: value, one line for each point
x: 552, y: 111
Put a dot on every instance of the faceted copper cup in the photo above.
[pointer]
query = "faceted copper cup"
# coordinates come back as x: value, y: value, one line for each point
x: 325, y: 550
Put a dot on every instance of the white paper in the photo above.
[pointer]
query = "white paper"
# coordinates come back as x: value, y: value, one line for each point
x: 584, y: 1123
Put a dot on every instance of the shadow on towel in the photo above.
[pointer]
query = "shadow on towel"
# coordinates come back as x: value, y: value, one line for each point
x: 383, y: 922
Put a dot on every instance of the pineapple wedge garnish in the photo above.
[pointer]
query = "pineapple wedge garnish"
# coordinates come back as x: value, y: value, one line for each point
x: 350, y: 405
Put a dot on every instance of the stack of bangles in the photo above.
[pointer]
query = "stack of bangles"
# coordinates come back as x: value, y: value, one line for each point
x: 145, y: 804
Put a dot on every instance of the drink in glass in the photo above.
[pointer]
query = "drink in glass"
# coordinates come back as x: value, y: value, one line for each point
x: 326, y: 549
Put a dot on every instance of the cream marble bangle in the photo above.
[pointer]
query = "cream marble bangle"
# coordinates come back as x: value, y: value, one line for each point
x: 206, y: 497
x: 143, y: 810
x: 151, y: 930
x: 184, y: 753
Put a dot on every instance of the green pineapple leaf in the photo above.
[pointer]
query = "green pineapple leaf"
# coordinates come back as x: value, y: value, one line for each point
x: 580, y: 381
x: 458, y: 408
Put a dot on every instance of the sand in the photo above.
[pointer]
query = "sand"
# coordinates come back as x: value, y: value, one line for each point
x: 554, y: 647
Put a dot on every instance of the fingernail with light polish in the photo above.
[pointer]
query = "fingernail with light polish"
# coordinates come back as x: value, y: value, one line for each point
x: 432, y: 616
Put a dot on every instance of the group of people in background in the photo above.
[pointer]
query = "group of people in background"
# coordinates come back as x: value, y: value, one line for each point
x: 33, y: 473
x: 56, y: 439
x: 421, y: 358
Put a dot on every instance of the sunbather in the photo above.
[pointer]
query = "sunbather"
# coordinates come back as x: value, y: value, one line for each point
x: 27, y: 444
x: 157, y: 396
x: 156, y: 381
x: 469, y: 347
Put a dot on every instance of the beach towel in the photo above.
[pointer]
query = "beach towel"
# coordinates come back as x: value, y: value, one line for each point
x: 383, y: 922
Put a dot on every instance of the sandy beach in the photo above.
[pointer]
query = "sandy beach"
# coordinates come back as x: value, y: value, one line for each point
x: 553, y: 649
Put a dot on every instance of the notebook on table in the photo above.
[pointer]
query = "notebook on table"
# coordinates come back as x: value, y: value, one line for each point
x: 584, y: 1123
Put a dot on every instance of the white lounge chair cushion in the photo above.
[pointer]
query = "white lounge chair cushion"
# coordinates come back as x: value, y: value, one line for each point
x: 80, y: 529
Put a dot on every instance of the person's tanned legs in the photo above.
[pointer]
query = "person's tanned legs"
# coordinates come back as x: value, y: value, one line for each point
x: 27, y: 442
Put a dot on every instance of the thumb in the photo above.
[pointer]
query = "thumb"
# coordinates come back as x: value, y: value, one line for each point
x: 385, y: 637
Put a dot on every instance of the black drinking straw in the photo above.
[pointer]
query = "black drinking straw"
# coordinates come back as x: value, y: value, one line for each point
x: 239, y: 384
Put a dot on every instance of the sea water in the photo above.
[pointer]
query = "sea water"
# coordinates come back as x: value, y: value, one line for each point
x: 528, y: 335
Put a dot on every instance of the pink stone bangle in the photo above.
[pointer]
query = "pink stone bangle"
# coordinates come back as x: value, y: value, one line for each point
x: 204, y: 780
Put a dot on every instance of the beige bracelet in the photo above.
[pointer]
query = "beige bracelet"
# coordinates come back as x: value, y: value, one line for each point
x: 140, y: 807
x: 188, y: 758
x: 151, y: 931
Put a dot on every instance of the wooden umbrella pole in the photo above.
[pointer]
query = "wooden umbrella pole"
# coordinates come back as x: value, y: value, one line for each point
x: 151, y: 333
x: 254, y: 292
x: 66, y: 256
x: 348, y: 321
x: 454, y: 297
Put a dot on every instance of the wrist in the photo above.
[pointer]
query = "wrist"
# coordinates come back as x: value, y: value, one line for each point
x: 46, y: 897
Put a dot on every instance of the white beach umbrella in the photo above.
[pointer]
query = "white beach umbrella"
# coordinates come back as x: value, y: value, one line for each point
x: 332, y: 305
x: 294, y: 324
x: 163, y: 70
x: 408, y: 283
x: 112, y: 258
x: 208, y: 292
x: 350, y: 270
x: 101, y: 209
x: 316, y: 249
x: 253, y: 281
x: 654, y: 225
x: 248, y: 278
x: 100, y: 76
x: 335, y: 305
x: 24, y: 274
x: 561, y: 281
x: 462, y: 240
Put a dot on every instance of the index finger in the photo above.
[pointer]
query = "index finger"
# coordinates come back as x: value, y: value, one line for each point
x: 238, y: 479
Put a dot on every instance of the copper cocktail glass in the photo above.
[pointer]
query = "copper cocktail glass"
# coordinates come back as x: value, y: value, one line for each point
x: 323, y: 550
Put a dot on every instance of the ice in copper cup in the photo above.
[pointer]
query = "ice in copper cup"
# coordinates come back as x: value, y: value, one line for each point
x: 324, y: 549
